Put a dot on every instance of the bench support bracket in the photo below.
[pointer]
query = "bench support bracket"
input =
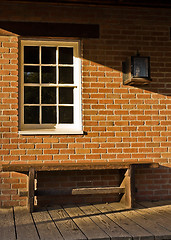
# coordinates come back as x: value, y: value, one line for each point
x: 129, y: 185
x: 31, y: 189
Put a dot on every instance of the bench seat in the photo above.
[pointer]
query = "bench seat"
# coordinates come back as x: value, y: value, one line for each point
x: 126, y: 188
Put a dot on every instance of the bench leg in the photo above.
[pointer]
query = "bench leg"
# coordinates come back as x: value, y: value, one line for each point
x: 31, y: 189
x: 128, y: 184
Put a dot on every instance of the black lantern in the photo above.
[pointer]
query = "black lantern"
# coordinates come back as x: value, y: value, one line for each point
x: 136, y: 71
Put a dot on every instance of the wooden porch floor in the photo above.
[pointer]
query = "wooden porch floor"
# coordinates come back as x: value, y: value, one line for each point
x: 99, y: 221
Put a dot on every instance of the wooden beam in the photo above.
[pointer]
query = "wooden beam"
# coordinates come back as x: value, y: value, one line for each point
x: 47, y: 29
x: 98, y: 190
x: 76, y: 191
x: 139, y: 3
x: 128, y: 3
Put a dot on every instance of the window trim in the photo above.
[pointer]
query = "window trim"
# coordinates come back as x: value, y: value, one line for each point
x: 76, y: 127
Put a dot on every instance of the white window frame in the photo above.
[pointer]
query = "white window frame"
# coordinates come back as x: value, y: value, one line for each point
x: 76, y: 126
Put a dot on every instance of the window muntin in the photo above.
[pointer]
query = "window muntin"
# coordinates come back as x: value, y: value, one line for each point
x: 50, y: 86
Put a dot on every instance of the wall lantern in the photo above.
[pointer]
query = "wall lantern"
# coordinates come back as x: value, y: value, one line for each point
x: 136, y: 70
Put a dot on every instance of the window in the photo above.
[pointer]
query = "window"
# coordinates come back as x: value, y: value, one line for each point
x: 50, y: 89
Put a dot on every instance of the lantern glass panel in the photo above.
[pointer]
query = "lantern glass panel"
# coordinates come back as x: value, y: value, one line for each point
x: 140, y: 67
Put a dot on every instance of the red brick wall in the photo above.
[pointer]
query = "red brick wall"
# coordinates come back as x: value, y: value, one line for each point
x: 9, y: 139
x: 123, y: 123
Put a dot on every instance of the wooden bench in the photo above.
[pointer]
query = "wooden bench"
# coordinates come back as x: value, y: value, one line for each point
x: 126, y: 188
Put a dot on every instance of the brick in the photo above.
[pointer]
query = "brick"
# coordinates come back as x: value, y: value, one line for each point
x: 75, y: 145
x: 130, y: 150
x: 28, y: 158
x: 82, y: 151
x: 26, y: 146
x: 121, y: 123
x: 18, y: 152
x: 159, y: 139
x: 50, y: 151
x: 98, y: 150
x: 10, y: 44
x: 76, y: 157
x: 34, y: 151
x: 67, y: 140
x: 44, y: 157
x: 101, y: 139
x: 136, y: 123
x: 4, y: 152
x: 114, y: 150
x: 9, y: 158
x: 109, y: 156
x: 61, y: 157
x: 59, y: 145
x: 67, y: 151
x: 10, y: 66
x: 50, y: 140
x: 19, y: 185
x: 93, y: 156
x: 10, y: 146
x: 43, y: 146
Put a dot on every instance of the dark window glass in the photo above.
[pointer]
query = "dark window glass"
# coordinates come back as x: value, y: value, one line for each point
x: 140, y: 67
x: 65, y: 114
x: 66, y: 75
x: 31, y: 115
x: 66, y: 95
x: 49, y: 115
x: 48, y: 55
x: 31, y: 54
x: 31, y: 74
x: 48, y: 74
x: 65, y: 55
x: 48, y: 95
x: 31, y: 95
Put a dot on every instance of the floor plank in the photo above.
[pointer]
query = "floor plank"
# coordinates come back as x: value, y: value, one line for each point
x: 162, y: 203
x: 7, y: 230
x: 158, y: 214
x: 66, y: 226
x: 105, y: 223
x: 164, y: 210
x: 134, y: 229
x: 24, y: 224
x: 117, y: 206
x: 45, y: 226
x: 87, y: 226
x: 143, y: 219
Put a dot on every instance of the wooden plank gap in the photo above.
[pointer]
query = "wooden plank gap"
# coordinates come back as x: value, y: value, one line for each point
x: 14, y: 223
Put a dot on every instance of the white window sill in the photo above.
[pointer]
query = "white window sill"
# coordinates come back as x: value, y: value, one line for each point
x: 50, y: 132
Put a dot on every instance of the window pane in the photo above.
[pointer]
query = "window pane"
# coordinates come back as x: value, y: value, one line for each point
x: 66, y: 95
x: 140, y: 67
x: 31, y: 95
x: 49, y: 115
x: 65, y: 55
x: 48, y: 95
x: 48, y: 55
x: 65, y: 114
x: 66, y: 75
x: 48, y: 74
x: 31, y: 54
x: 31, y: 74
x: 31, y: 115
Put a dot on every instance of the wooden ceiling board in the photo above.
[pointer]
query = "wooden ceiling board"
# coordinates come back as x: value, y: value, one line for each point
x: 139, y: 3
